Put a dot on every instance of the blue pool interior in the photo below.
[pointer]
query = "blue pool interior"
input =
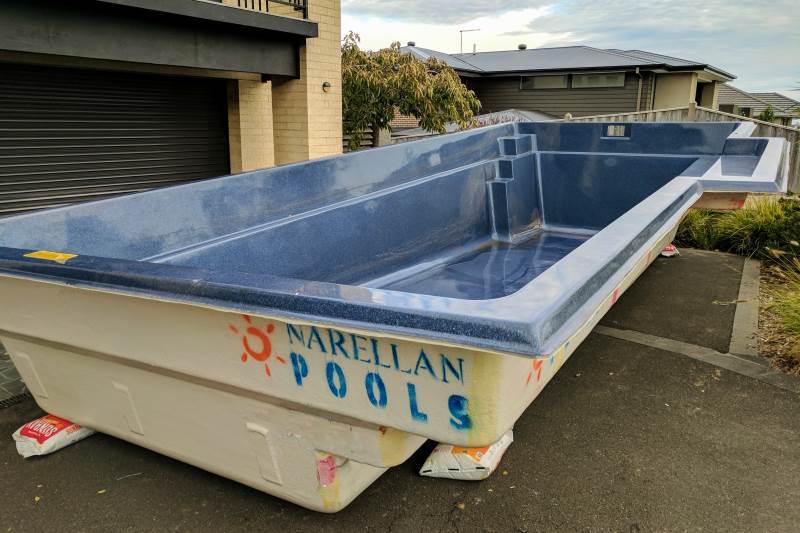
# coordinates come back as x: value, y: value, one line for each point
x: 473, y: 216
x: 492, y: 270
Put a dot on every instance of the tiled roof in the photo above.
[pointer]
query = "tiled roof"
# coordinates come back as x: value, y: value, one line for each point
x: 779, y: 101
x: 757, y: 102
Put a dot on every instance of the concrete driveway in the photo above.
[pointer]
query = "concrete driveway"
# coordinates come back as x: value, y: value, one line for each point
x: 627, y: 437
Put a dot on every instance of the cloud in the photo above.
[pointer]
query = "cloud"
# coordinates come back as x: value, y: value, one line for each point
x: 428, y: 12
x: 758, y: 40
x: 503, y: 30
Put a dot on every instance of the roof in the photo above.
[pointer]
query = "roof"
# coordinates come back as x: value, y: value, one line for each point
x: 451, y: 60
x: 559, y: 59
x: 757, y: 102
x: 779, y: 101
x: 674, y: 62
x: 487, y: 119
x: 562, y: 58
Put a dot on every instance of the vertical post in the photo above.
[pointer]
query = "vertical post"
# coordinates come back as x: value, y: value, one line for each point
x: 692, y: 114
x: 250, y: 131
x: 381, y: 136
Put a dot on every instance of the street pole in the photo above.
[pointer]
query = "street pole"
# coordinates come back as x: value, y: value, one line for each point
x: 461, y: 33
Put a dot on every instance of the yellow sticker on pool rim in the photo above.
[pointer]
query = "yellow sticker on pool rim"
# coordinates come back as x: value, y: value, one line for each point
x: 58, y: 257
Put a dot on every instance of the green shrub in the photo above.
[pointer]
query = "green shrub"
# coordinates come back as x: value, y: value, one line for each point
x: 698, y: 229
x: 767, y: 226
x: 788, y: 302
x: 765, y: 223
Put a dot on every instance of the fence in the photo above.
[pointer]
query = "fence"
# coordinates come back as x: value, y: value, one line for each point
x: 275, y: 7
x: 367, y: 140
x: 693, y: 113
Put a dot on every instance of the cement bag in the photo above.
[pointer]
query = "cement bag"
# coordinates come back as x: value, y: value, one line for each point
x: 48, y: 434
x: 470, y: 464
x: 670, y: 250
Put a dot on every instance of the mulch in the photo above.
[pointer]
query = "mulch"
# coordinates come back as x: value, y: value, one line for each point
x: 775, y: 342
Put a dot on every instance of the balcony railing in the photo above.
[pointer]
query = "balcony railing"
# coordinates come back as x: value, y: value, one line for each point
x: 273, y: 7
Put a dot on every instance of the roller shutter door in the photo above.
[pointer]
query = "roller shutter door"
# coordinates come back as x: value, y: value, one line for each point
x: 69, y: 135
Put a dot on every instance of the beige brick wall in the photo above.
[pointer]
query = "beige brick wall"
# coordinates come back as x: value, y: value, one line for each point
x: 250, y: 125
x: 307, y: 120
x: 303, y: 121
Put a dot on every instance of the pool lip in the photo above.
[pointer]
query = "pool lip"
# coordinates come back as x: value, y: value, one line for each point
x: 531, y: 322
x: 511, y: 324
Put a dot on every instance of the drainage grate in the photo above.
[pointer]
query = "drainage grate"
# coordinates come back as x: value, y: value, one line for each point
x: 14, y: 400
x: 11, y: 385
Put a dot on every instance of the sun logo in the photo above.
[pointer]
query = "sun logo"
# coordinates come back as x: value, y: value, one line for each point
x: 537, y: 368
x: 256, y: 343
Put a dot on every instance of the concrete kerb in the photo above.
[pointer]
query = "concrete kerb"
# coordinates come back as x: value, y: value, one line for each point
x: 744, y: 337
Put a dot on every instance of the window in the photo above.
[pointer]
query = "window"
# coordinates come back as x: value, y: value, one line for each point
x: 528, y: 83
x: 588, y: 81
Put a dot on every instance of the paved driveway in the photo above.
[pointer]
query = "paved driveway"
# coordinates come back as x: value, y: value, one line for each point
x: 627, y: 437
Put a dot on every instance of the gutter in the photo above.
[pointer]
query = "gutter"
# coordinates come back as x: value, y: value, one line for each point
x: 529, y: 72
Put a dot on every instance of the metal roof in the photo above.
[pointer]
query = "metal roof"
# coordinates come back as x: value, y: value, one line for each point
x: 487, y: 119
x: 558, y: 59
x: 561, y: 58
x: 658, y: 58
x: 453, y: 61
x: 674, y: 62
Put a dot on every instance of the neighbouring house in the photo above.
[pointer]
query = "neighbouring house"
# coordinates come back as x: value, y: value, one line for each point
x: 102, y: 97
x: 582, y: 80
x: 739, y: 102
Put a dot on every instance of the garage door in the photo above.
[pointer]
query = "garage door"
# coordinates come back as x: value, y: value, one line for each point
x: 70, y: 135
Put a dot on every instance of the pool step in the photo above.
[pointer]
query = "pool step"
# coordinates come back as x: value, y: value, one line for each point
x: 514, y: 192
x: 517, y: 144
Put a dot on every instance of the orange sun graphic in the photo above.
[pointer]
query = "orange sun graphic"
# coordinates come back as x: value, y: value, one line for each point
x: 256, y: 343
x: 537, y: 367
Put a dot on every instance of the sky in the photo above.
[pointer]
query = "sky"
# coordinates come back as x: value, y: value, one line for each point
x: 757, y: 40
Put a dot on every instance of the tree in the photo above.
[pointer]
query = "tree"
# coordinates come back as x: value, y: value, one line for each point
x: 375, y: 84
x: 768, y: 115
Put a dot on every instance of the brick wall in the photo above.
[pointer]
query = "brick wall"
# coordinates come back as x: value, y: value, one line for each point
x: 401, y: 121
x: 291, y: 120
x: 250, y: 125
x: 307, y: 120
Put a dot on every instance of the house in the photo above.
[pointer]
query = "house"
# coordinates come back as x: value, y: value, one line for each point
x: 739, y: 102
x: 582, y: 80
x: 101, y: 97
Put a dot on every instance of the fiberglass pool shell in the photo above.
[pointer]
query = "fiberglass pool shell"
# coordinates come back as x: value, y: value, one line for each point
x: 502, y: 238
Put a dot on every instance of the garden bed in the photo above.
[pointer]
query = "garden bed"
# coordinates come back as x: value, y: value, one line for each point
x: 776, y: 341
x: 768, y: 227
